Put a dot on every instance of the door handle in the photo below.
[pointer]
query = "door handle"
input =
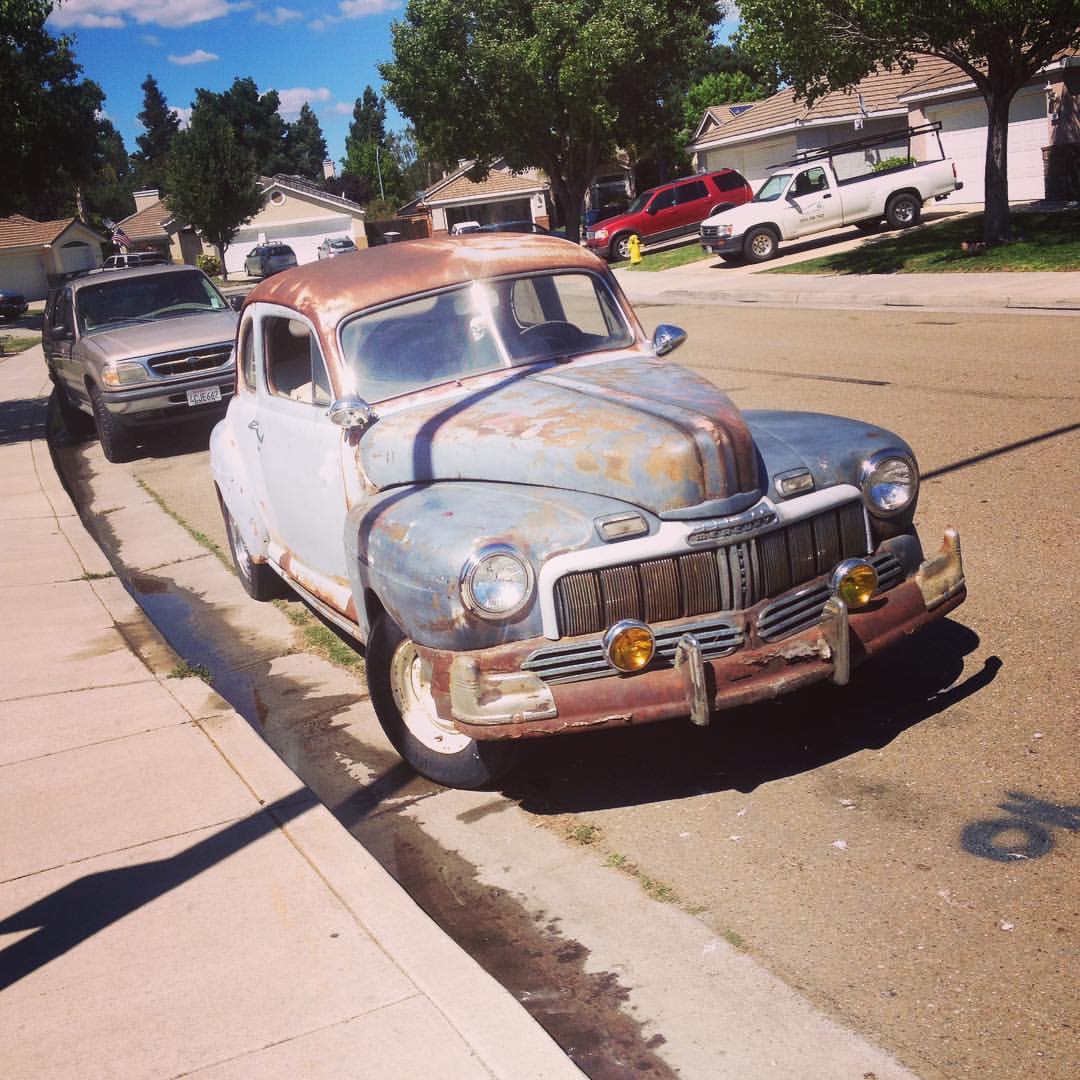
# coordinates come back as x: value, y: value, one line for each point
x: 827, y: 195
x: 254, y: 426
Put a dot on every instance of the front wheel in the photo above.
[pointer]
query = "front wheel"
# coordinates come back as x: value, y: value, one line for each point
x: 117, y: 442
x: 400, y: 687
x: 760, y: 244
x: 620, y: 246
x: 902, y: 211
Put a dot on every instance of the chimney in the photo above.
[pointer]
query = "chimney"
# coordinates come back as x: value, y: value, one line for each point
x: 146, y: 197
x: 328, y: 169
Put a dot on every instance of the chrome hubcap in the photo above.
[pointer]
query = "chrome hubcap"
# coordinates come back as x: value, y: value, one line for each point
x: 411, y: 686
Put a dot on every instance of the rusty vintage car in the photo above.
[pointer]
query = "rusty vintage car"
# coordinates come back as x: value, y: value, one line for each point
x: 469, y: 456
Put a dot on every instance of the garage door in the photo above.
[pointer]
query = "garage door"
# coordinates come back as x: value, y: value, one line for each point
x: 754, y: 161
x: 963, y: 135
x: 304, y: 237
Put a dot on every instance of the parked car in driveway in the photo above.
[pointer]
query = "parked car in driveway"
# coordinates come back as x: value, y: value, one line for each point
x: 133, y: 258
x: 468, y: 455
x: 516, y: 227
x: 668, y: 211
x: 335, y: 245
x: 266, y: 259
x: 12, y: 304
x: 138, y: 348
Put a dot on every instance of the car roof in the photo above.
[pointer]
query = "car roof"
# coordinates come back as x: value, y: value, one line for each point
x: 328, y: 290
x: 124, y: 273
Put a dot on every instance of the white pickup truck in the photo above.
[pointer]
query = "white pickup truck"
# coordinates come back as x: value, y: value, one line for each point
x: 811, y: 194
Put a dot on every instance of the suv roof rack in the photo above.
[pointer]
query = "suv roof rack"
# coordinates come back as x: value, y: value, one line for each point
x: 868, y: 142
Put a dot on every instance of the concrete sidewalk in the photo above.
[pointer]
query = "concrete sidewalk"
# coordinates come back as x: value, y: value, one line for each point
x: 172, y: 900
x: 711, y: 281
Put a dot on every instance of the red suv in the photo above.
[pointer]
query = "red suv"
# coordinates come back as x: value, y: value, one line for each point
x: 667, y: 211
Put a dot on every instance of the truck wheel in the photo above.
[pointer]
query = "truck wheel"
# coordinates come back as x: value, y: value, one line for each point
x: 903, y: 210
x: 259, y: 581
x: 401, y: 693
x: 760, y: 244
x: 117, y: 442
x: 620, y: 246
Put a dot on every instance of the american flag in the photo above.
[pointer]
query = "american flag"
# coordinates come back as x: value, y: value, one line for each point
x: 119, y: 237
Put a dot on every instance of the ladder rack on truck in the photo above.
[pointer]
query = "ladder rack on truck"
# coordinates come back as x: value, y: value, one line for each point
x: 868, y: 142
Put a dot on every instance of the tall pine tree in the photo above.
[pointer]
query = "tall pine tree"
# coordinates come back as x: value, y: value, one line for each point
x: 151, y: 161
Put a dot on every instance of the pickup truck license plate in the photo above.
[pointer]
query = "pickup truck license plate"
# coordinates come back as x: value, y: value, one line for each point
x: 204, y: 397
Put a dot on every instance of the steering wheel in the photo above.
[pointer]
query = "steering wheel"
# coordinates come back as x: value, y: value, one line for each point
x: 555, y: 333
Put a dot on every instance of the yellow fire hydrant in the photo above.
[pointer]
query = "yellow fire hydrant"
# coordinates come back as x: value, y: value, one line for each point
x: 635, y: 249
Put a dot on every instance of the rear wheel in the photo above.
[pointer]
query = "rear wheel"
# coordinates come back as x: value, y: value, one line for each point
x: 760, y: 244
x: 903, y: 210
x: 117, y: 442
x: 400, y: 688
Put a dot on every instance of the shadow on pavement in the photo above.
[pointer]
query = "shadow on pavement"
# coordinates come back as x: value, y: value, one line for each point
x: 72, y: 914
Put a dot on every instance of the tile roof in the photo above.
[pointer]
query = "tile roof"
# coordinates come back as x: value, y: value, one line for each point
x: 500, y: 181
x: 149, y: 222
x: 880, y: 93
x: 20, y: 231
x: 304, y: 186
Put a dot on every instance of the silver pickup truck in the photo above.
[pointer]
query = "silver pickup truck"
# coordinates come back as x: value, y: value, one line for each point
x: 140, y: 347
x: 854, y: 183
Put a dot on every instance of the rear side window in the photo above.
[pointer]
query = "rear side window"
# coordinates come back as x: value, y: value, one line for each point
x: 246, y: 357
x: 691, y: 192
x: 729, y: 181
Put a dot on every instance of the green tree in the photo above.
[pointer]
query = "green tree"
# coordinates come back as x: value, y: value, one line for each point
x: 823, y: 45
x: 371, y: 154
x: 255, y: 121
x: 305, y: 146
x: 213, y: 182
x: 718, y: 88
x: 151, y: 160
x: 108, y: 193
x: 551, y: 84
x: 47, y: 114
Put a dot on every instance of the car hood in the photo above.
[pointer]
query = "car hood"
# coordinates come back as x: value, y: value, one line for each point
x: 636, y: 429
x: 744, y: 215
x: 174, y: 334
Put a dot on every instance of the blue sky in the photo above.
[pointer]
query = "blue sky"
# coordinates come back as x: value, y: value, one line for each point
x: 320, y: 51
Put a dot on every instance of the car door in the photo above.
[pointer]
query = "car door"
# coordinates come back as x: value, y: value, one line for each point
x: 815, y: 204
x: 692, y: 205
x: 59, y: 340
x: 662, y: 215
x: 299, y: 451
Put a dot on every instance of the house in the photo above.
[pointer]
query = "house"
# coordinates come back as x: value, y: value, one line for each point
x: 295, y: 212
x: 504, y: 195
x: 33, y: 254
x: 1043, y: 120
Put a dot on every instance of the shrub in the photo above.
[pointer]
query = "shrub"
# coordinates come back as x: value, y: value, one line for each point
x: 888, y: 163
x: 209, y: 265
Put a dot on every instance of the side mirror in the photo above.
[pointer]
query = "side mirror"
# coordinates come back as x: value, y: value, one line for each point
x: 666, y: 339
x: 235, y: 302
x: 352, y: 413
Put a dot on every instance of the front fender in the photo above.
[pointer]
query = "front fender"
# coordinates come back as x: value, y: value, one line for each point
x: 409, y: 545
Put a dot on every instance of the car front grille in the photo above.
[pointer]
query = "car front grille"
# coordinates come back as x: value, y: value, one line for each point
x: 729, y: 578
x: 709, y: 232
x: 586, y: 660
x: 190, y: 361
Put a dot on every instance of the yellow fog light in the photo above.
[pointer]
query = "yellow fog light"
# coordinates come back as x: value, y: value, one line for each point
x: 629, y: 645
x: 854, y: 581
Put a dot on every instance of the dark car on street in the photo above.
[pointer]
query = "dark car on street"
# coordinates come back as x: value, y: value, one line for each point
x: 12, y: 304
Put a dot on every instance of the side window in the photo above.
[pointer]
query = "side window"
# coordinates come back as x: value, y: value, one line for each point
x: 60, y: 313
x: 292, y: 355
x: 691, y: 192
x: 662, y: 200
x: 246, y: 356
x: 729, y: 181
x: 818, y: 180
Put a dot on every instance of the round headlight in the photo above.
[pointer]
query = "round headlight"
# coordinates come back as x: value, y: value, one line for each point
x: 890, y: 482
x: 854, y: 581
x: 496, y: 582
x: 629, y: 645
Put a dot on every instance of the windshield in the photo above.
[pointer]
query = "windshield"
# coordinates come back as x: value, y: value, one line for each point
x: 478, y: 327
x: 772, y: 188
x: 144, y: 299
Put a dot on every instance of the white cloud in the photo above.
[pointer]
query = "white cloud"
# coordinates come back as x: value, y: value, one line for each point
x: 279, y: 16
x: 183, y: 114
x: 95, y: 14
x: 291, y: 100
x: 199, y: 56
x: 150, y: 39
x: 343, y: 108
x: 354, y: 9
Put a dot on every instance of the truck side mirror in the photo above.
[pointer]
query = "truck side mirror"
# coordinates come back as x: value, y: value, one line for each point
x: 667, y: 338
x: 352, y: 413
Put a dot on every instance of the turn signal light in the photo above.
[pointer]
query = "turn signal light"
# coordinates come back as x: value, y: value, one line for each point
x: 854, y: 581
x: 629, y: 645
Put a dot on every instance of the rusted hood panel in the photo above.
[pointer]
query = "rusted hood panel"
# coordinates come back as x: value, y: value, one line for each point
x: 640, y: 430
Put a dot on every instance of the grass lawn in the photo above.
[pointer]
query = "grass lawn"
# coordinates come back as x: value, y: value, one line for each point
x: 1041, y: 241
x: 669, y: 257
x: 13, y: 344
